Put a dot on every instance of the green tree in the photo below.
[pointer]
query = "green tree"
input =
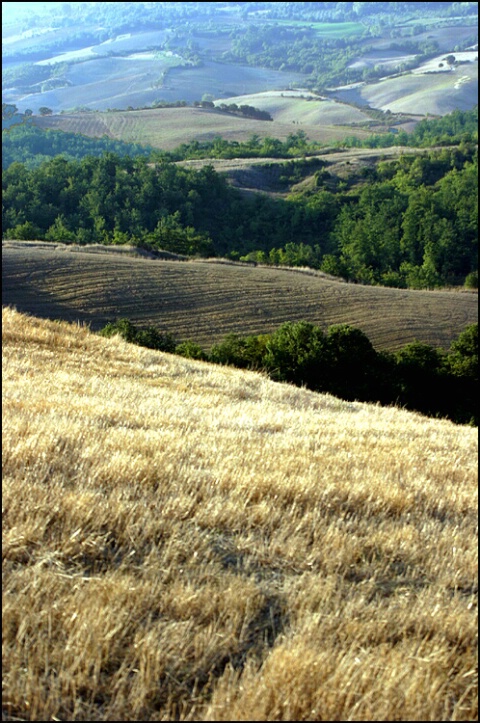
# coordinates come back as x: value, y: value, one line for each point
x: 241, y: 352
x: 420, y: 371
x: 353, y: 364
x: 26, y: 231
x: 123, y: 327
x: 8, y: 110
x: 59, y: 231
x: 463, y: 356
x: 191, y: 350
x: 296, y: 353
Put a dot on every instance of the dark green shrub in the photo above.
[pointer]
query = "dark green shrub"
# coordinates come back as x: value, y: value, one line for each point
x: 296, y: 353
x: 471, y: 280
x: 149, y: 337
x: 124, y: 327
x: 190, y: 350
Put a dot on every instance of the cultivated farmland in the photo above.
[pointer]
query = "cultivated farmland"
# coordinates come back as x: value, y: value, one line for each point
x: 189, y: 542
x: 204, y: 300
x: 443, y: 36
x: 326, y: 30
x: 302, y: 108
x: 167, y: 128
x: 119, y: 82
x: 436, y: 93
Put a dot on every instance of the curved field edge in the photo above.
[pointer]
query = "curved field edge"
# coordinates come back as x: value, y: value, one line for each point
x: 189, y: 542
x: 202, y: 301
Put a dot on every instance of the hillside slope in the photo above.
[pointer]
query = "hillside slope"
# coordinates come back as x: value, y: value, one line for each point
x: 167, y: 128
x: 203, y: 301
x: 190, y: 542
x: 435, y: 93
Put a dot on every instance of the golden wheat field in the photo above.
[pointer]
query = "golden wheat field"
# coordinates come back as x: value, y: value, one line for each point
x: 189, y: 542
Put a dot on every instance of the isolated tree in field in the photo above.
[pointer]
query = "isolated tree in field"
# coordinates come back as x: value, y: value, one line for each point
x: 45, y: 111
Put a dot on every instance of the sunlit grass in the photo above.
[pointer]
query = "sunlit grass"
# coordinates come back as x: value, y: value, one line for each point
x: 189, y: 542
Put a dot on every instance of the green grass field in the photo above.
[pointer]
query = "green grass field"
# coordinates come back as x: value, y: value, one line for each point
x: 327, y: 30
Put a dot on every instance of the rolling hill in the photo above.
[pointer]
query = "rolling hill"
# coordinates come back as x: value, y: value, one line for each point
x: 302, y: 108
x: 189, y: 542
x: 203, y: 300
x: 167, y: 128
x: 434, y: 93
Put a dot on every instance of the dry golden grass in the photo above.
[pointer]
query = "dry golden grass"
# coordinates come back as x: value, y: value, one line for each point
x: 203, y: 301
x: 189, y: 542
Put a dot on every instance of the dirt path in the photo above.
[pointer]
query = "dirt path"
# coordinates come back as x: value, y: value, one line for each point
x: 330, y: 156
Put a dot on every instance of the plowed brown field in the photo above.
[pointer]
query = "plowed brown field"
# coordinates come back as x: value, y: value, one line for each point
x: 204, y: 300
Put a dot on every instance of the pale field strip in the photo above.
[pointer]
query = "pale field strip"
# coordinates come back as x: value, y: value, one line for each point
x: 420, y: 92
x: 433, y: 65
x: 189, y: 542
x: 25, y: 35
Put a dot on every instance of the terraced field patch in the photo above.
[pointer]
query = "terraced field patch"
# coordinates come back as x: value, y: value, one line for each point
x: 203, y: 300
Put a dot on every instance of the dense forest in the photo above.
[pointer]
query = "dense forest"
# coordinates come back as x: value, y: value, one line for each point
x: 342, y: 361
x: 407, y: 223
x: 27, y: 144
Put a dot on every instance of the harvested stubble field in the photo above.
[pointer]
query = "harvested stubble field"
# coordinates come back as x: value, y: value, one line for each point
x: 204, y: 300
x: 189, y: 542
x: 167, y: 128
x: 304, y: 108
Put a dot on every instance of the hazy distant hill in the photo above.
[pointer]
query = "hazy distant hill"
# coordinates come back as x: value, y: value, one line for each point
x: 431, y: 92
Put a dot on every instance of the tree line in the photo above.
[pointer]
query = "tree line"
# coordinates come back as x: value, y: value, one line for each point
x: 409, y: 223
x: 342, y: 361
x: 26, y: 143
x: 23, y: 142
